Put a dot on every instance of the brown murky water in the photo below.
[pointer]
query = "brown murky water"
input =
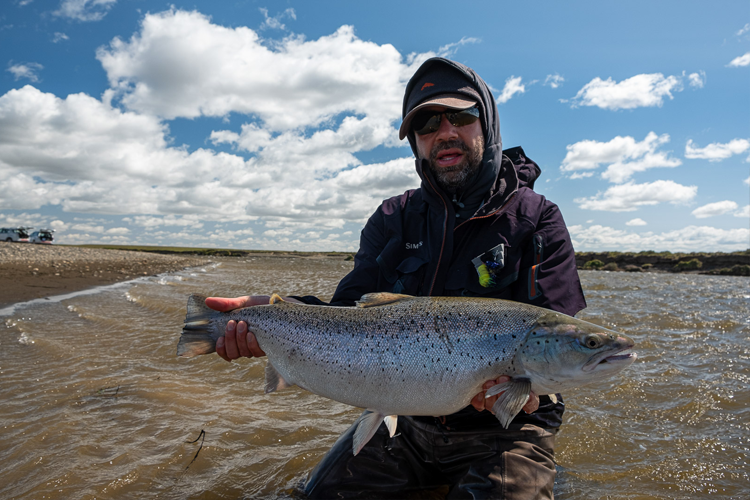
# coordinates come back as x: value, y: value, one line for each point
x: 96, y: 405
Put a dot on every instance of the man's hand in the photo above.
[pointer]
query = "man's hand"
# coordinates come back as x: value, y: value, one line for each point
x: 479, y: 402
x: 237, y: 341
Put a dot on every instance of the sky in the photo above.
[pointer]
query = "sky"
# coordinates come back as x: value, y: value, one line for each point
x: 274, y: 125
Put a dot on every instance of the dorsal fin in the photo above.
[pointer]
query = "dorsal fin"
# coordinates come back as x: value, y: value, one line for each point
x: 275, y: 298
x: 381, y: 299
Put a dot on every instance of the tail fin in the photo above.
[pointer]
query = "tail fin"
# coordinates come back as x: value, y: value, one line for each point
x: 196, y: 334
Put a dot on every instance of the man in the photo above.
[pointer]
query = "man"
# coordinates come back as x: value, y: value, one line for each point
x: 475, y: 227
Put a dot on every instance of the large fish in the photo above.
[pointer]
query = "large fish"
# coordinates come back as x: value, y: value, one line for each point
x: 402, y: 355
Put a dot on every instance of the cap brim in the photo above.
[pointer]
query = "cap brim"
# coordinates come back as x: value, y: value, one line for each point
x: 448, y: 101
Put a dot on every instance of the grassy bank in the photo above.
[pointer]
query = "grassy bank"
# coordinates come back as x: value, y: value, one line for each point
x: 733, y: 263
x: 222, y: 252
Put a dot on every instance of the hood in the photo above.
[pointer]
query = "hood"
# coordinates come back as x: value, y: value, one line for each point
x: 494, y: 177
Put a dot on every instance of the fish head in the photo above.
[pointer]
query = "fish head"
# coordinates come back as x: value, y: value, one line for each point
x: 561, y: 352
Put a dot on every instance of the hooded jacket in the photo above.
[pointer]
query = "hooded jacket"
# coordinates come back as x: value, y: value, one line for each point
x: 514, y: 246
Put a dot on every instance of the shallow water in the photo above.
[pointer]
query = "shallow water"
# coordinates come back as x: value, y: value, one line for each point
x: 96, y: 405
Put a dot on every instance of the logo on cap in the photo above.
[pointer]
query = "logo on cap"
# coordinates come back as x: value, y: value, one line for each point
x: 427, y: 85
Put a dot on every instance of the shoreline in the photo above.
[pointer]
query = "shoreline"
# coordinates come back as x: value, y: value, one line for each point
x: 31, y: 271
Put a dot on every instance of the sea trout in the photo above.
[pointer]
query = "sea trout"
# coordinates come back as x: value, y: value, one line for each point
x: 402, y: 355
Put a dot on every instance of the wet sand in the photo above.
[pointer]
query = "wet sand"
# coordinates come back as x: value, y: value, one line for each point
x: 31, y: 271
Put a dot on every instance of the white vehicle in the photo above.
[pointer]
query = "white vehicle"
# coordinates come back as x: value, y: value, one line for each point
x: 42, y: 236
x: 14, y: 234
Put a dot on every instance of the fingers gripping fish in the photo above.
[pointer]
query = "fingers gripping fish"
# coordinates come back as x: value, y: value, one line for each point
x: 402, y: 355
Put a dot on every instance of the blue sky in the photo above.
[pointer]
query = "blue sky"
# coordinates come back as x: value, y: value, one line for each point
x: 273, y: 125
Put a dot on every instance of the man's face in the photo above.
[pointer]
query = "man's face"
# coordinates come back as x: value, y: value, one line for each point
x: 454, y: 154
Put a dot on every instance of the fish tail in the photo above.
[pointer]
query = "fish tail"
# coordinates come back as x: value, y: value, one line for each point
x: 196, y: 334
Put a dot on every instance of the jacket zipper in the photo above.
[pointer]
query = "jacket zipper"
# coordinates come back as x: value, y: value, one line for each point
x: 445, y: 230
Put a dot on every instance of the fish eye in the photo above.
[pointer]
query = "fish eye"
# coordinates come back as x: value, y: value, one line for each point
x: 592, y: 341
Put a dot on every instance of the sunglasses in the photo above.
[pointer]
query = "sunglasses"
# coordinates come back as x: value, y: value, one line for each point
x: 427, y: 122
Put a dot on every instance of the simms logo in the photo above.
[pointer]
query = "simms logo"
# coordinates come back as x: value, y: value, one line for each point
x: 413, y: 246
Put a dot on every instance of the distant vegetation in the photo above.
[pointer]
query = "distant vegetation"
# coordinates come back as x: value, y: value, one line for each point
x: 733, y: 263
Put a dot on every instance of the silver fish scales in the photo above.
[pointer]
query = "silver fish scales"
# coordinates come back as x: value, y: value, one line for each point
x: 401, y: 355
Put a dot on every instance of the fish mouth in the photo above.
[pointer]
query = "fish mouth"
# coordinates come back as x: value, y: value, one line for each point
x: 616, y: 360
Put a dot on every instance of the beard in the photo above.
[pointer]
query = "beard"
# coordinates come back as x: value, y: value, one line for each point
x: 454, y: 178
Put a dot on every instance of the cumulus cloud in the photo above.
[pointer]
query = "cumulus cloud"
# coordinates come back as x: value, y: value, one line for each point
x: 743, y: 212
x: 646, y: 90
x: 181, y: 65
x: 554, y: 81
x: 512, y: 87
x: 630, y: 196
x: 636, y: 222
x: 740, y: 61
x: 294, y: 165
x: 28, y: 71
x: 716, y: 151
x: 623, y: 155
x: 688, y: 239
x: 85, y: 10
x: 714, y: 209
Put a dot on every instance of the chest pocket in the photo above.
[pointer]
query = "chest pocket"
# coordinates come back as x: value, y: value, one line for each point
x: 488, y: 275
x: 402, y: 266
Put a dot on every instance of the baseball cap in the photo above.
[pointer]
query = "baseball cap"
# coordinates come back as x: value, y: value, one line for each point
x: 440, y: 86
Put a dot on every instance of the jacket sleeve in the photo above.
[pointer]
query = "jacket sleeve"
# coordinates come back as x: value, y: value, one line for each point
x: 548, y: 276
x: 364, y: 277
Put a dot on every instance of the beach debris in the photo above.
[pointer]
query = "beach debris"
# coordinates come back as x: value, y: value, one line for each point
x: 402, y: 355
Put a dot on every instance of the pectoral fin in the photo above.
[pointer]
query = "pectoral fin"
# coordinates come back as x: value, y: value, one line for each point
x: 515, y: 394
x: 274, y: 380
x: 368, y: 426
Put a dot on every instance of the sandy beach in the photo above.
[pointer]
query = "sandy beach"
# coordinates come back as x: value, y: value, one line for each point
x: 29, y: 271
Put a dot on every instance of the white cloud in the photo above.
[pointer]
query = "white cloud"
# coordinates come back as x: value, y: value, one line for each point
x: 744, y: 212
x: 697, y: 80
x: 59, y: 37
x: 85, y: 10
x: 636, y: 222
x: 716, y: 151
x: 623, y: 155
x: 182, y: 65
x: 744, y: 29
x: 85, y: 155
x: 747, y: 181
x: 688, y: 239
x: 629, y: 197
x: 714, y: 209
x: 275, y: 22
x: 740, y: 61
x: 512, y: 87
x: 28, y: 71
x: 646, y: 90
x: 554, y: 81
x: 449, y: 49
